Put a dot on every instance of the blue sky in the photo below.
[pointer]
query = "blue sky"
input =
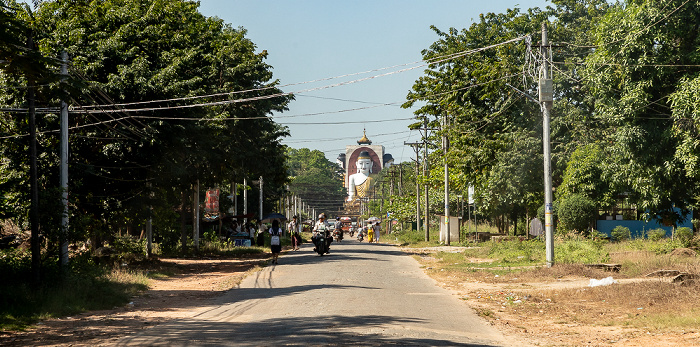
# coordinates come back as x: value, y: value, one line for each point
x: 318, y: 39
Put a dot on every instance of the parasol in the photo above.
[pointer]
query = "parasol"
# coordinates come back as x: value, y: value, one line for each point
x: 373, y: 219
x: 274, y: 216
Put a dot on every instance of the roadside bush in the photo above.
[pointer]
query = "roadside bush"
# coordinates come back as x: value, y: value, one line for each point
x: 575, y: 212
x: 656, y: 234
x: 516, y: 251
x: 129, y: 245
x: 620, y: 233
x: 581, y: 252
x: 684, y: 235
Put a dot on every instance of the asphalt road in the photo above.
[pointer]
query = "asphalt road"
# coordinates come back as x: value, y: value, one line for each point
x: 359, y: 295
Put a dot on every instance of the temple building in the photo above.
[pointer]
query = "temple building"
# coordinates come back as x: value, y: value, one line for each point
x: 364, y: 150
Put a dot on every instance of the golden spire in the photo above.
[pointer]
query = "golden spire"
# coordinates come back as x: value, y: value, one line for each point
x: 364, y: 140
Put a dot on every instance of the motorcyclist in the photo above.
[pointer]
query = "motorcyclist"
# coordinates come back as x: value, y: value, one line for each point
x: 339, y: 228
x: 322, y: 227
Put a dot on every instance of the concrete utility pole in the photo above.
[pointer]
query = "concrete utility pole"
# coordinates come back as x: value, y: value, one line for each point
x: 63, y: 253
x: 416, y: 148
x: 195, y: 217
x: 426, y: 225
x: 546, y: 90
x: 261, y: 198
x: 149, y: 223
x: 33, y: 175
x: 234, y: 196
x: 245, y: 199
x: 445, y: 146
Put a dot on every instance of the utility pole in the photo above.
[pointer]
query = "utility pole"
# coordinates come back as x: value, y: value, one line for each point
x: 546, y: 90
x: 195, y: 217
x: 416, y: 148
x: 245, y: 199
x: 35, y: 245
x: 261, y: 198
x: 426, y: 224
x: 63, y: 253
x: 234, y: 196
x: 445, y: 146
x: 149, y: 223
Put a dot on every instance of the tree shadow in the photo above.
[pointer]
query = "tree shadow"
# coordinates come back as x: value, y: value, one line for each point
x: 295, y: 331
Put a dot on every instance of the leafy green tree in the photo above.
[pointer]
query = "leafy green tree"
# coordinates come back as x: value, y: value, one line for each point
x: 129, y: 52
x: 638, y: 77
x: 576, y: 212
x: 315, y: 179
x: 584, y: 176
x: 495, y: 133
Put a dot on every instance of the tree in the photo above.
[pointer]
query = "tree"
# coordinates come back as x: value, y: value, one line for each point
x: 495, y: 133
x: 638, y: 77
x: 130, y: 53
x: 584, y: 176
x: 315, y: 179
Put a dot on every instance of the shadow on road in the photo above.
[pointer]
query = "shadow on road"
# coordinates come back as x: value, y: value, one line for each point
x: 293, y: 331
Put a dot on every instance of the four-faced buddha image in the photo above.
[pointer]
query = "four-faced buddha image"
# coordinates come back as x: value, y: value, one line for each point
x: 359, y: 183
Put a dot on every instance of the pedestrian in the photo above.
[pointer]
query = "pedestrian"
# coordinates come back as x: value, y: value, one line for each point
x: 275, y: 242
x: 293, y: 228
x: 377, y: 232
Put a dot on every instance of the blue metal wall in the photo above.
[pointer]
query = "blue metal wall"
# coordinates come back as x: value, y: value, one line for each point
x: 638, y: 228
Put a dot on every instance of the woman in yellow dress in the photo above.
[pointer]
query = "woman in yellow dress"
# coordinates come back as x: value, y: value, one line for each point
x: 370, y: 233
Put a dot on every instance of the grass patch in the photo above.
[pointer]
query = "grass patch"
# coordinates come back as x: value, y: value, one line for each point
x: 86, y: 286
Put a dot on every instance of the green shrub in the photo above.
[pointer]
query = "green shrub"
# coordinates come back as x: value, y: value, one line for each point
x: 581, y: 252
x: 516, y: 251
x: 621, y: 233
x: 597, y: 235
x: 129, y: 244
x: 575, y: 212
x: 684, y: 235
x: 656, y: 234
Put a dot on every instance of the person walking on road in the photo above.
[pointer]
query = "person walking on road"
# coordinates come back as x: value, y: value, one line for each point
x: 275, y: 242
x: 293, y: 228
x: 377, y: 231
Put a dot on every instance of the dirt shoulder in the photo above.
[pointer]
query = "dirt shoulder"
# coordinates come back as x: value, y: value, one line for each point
x: 557, y: 309
x: 191, y: 283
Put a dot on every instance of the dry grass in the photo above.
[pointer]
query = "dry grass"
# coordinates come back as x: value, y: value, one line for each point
x: 640, y: 263
x: 536, y: 298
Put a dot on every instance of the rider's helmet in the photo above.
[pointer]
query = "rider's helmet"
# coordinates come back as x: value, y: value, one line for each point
x: 322, y: 215
x: 337, y: 218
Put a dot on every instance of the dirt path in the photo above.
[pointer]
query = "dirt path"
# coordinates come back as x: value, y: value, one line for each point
x: 167, y: 299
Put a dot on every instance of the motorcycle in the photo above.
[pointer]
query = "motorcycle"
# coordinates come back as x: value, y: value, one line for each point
x: 360, y: 237
x: 320, y: 242
x: 338, y: 235
x: 352, y: 232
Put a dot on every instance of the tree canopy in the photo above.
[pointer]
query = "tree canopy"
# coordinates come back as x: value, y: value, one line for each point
x: 139, y: 125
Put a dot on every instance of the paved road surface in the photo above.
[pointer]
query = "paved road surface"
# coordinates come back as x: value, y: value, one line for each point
x: 360, y: 295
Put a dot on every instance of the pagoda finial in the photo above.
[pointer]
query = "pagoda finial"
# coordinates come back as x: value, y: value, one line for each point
x: 364, y: 140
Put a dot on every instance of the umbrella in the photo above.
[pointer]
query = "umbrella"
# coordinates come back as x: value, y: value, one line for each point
x: 345, y: 219
x: 274, y: 216
x: 373, y: 219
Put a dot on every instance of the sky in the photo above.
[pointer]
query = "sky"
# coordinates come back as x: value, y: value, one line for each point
x: 367, y: 41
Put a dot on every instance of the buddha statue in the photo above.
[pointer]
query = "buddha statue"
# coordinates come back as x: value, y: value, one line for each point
x: 359, y: 183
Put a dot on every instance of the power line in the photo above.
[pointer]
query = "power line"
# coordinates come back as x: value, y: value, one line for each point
x: 283, y: 94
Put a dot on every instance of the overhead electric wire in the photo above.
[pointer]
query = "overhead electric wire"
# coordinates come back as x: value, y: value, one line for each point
x: 431, y: 61
x: 235, y: 101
